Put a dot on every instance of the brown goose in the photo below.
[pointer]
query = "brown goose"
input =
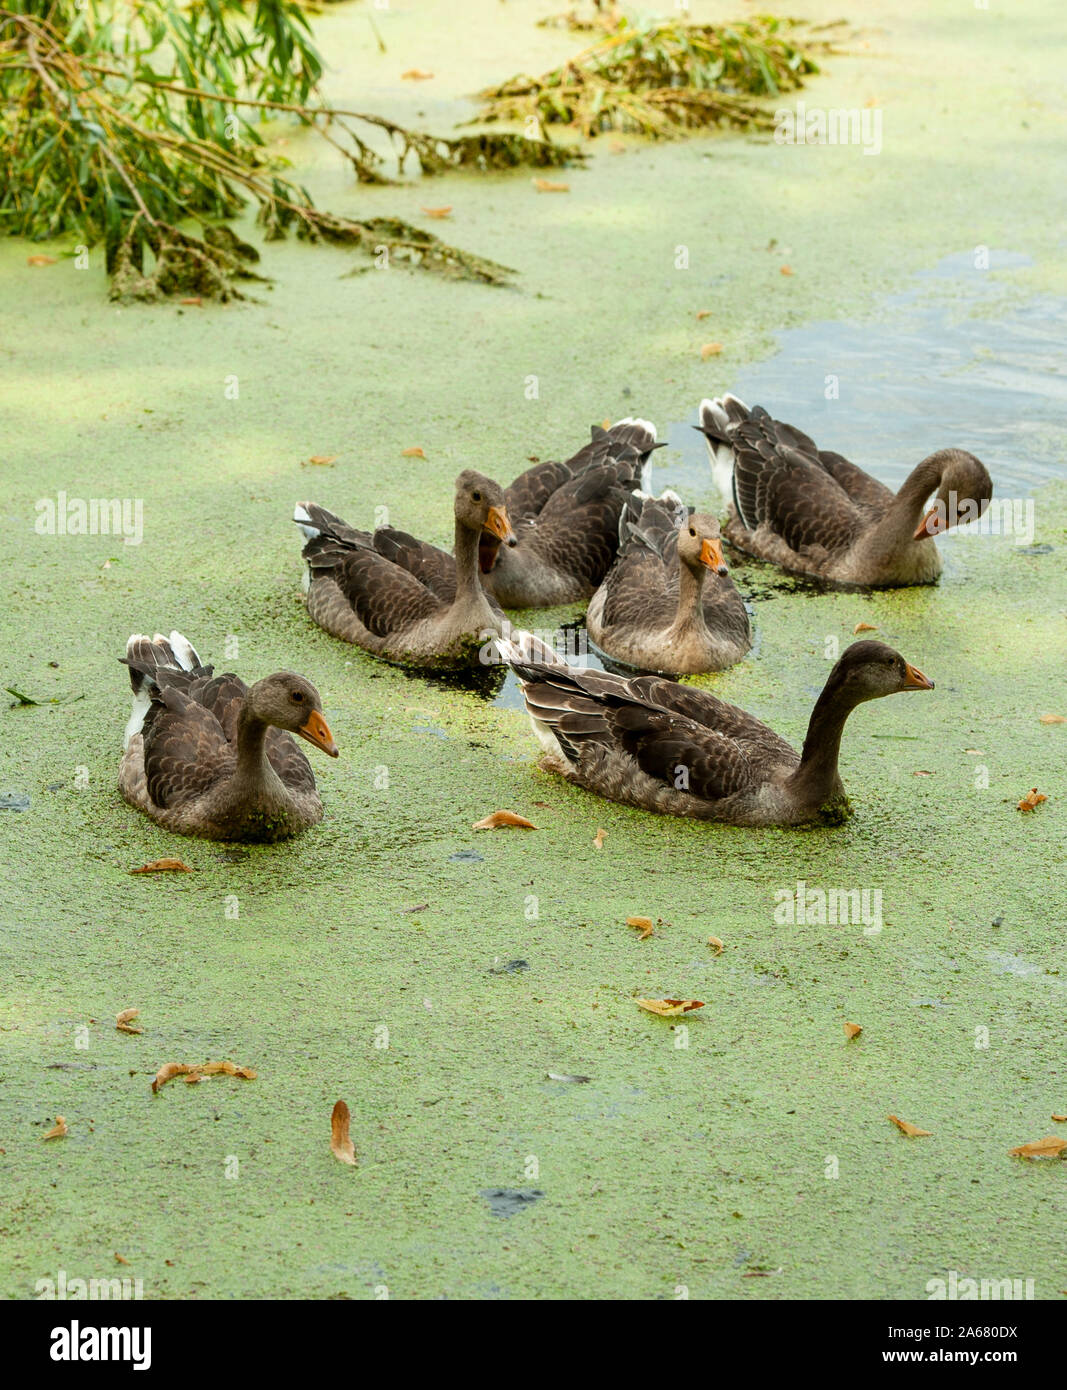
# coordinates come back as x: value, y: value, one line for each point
x: 812, y: 512
x: 208, y: 756
x: 668, y: 604
x: 566, y: 519
x: 665, y: 747
x: 399, y: 597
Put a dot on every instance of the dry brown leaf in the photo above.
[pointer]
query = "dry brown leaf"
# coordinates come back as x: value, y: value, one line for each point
x: 864, y: 627
x: 1031, y: 799
x: 1060, y: 1119
x: 710, y: 350
x: 163, y: 866
x: 922, y: 773
x: 668, y: 1008
x: 415, y: 75
x: 168, y: 1071
x: 119, y: 1259
x: 1049, y: 1147
x: 913, y: 1131
x: 194, y: 301
x: 786, y: 269
x: 703, y: 314
x: 600, y: 837
x: 58, y: 1130
x: 124, y: 1019
x: 413, y: 453
x: 852, y: 1030
x: 341, y: 1145
x: 40, y: 260
x: 643, y: 925
x: 501, y: 818
x: 1052, y: 719
x: 323, y: 460
x: 716, y: 945
x: 548, y: 186
x: 438, y: 212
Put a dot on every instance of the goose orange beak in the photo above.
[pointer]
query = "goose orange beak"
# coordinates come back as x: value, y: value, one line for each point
x: 497, y: 522
x: 914, y: 678
x: 317, y: 731
x: 711, y: 555
x: 929, y: 526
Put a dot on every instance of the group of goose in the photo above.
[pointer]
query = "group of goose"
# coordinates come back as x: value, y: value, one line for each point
x: 207, y: 755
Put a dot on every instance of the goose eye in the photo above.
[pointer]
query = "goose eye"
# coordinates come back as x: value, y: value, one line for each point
x: 297, y: 697
x: 476, y: 496
x: 691, y: 531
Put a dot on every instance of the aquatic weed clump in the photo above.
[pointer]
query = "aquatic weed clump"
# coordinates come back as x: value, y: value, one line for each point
x: 664, y: 77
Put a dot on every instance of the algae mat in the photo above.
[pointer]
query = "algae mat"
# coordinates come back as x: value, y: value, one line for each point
x: 434, y: 976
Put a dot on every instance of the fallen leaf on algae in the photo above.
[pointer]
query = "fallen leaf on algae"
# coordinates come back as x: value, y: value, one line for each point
x: 415, y: 75
x: 1052, y: 719
x: 786, y: 269
x: 643, y: 925
x: 413, y: 453
x: 703, y: 314
x: 1060, y: 1119
x: 710, y: 350
x: 1049, y: 1147
x: 124, y: 1019
x: 853, y: 1030
x: 341, y: 1145
x: 40, y: 260
x: 163, y: 866
x: 548, y: 186
x: 439, y: 212
x: 601, y: 836
x: 716, y: 945
x: 668, y: 1008
x: 194, y: 301
x: 198, y: 1071
x: 864, y: 627
x: 119, y: 1259
x: 58, y: 1130
x: 912, y: 1131
x: 1031, y: 799
x: 323, y: 460
x: 500, y: 818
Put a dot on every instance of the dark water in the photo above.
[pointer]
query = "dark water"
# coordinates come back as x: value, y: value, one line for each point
x: 942, y: 365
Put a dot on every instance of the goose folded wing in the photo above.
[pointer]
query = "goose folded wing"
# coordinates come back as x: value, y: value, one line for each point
x: 185, y: 749
x: 385, y: 598
x: 763, y: 748
x: 530, y: 491
x: 777, y: 485
x: 578, y: 530
x: 433, y: 568
x: 223, y: 697
x: 641, y: 590
x: 681, y: 753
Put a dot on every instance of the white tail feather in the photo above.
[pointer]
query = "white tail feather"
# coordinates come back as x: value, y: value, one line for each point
x: 301, y: 516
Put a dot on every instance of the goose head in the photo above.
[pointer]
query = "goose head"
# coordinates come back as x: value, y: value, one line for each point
x: 288, y: 701
x: 869, y: 670
x: 963, y: 492
x: 479, y: 506
x: 700, y: 543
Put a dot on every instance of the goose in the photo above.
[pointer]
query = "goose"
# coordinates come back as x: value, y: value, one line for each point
x: 649, y: 742
x: 207, y: 755
x: 814, y: 513
x: 566, y: 519
x: 668, y: 603
x: 401, y: 598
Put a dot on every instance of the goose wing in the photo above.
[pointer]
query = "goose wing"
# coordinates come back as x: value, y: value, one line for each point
x: 641, y: 588
x: 679, y: 735
x: 186, y: 750
x: 778, y: 484
x: 433, y: 568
